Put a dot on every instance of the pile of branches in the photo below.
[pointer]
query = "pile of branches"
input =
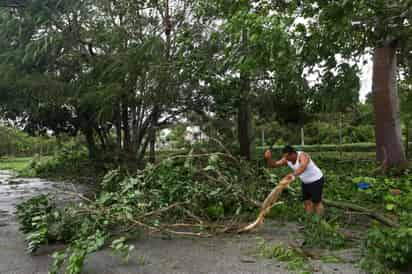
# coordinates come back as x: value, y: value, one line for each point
x: 198, y: 194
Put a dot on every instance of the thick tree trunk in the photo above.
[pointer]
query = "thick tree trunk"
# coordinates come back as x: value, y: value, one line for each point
x: 389, y: 147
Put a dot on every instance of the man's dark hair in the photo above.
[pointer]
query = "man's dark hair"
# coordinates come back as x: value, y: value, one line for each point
x: 288, y: 149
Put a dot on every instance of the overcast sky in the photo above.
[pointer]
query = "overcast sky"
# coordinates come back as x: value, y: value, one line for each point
x: 366, y: 79
x: 365, y: 75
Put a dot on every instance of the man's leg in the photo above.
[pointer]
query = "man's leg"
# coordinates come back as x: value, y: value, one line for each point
x: 317, y: 197
x: 308, y: 206
x: 307, y: 199
x: 318, y: 208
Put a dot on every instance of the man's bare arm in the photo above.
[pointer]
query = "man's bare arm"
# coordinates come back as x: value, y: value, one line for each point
x: 304, y: 160
x: 273, y: 163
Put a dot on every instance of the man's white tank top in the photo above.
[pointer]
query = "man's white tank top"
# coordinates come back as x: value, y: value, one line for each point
x: 311, y: 174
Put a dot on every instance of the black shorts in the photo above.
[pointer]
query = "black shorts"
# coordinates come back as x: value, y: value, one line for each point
x: 313, y: 191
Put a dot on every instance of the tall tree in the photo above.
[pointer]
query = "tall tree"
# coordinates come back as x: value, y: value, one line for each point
x: 351, y: 29
x: 100, y: 63
x: 252, y: 58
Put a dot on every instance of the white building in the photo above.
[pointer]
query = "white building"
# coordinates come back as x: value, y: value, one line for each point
x: 194, y: 134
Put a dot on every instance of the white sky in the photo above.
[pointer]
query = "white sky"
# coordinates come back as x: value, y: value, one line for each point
x: 365, y: 75
x: 366, y: 78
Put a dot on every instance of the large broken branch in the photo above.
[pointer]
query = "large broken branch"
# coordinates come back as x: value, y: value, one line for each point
x: 268, y: 204
x: 274, y: 196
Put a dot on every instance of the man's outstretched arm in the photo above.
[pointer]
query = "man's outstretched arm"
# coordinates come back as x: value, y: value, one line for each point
x: 272, y: 163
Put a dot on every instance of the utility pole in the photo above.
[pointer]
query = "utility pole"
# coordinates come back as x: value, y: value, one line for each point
x: 302, y: 136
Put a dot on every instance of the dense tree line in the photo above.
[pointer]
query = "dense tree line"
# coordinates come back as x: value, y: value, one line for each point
x: 118, y: 71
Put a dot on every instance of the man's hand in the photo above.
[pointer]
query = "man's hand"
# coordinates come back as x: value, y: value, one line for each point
x: 290, y: 176
x: 268, y: 154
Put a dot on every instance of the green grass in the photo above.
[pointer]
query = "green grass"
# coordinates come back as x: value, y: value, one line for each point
x: 17, y: 164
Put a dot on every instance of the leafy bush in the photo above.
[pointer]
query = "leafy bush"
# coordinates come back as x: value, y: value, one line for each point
x: 71, y: 161
x: 390, y: 248
x: 387, y: 248
x: 14, y: 142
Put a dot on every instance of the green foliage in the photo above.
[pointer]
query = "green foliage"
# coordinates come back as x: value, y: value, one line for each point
x: 70, y: 161
x: 387, y: 248
x: 122, y: 248
x: 321, y: 233
x: 76, y: 253
x: 18, y: 164
x: 296, y: 261
x: 37, y: 217
x: 14, y: 142
x: 212, y: 187
x: 324, y: 151
x: 209, y: 187
x: 83, y: 227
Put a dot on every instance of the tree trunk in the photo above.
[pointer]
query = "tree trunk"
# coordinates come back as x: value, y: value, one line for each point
x: 244, y: 120
x: 101, y: 137
x: 386, y: 107
x: 152, y: 135
x: 407, y: 140
x: 118, y: 126
x: 244, y: 115
x: 134, y: 129
x: 152, y: 152
x: 126, y: 127
x: 91, y: 145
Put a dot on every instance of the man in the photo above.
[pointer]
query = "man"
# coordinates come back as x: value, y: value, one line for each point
x: 307, y: 171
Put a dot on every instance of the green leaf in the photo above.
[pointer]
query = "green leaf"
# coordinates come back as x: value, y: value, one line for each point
x: 390, y: 207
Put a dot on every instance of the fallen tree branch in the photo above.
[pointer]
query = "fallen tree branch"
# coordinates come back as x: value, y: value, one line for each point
x: 158, y: 211
x: 250, y: 201
x: 268, y: 204
x: 368, y: 212
x: 271, y: 199
x: 75, y: 194
x: 169, y: 231
x: 192, y: 215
